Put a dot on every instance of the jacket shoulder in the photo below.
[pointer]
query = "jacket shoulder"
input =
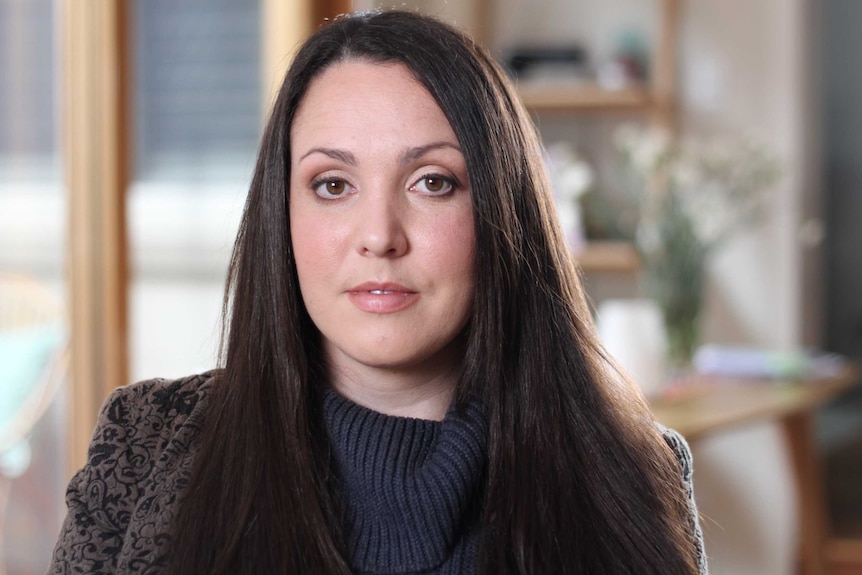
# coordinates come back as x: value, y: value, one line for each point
x: 152, y: 405
x: 138, y: 461
x: 680, y: 448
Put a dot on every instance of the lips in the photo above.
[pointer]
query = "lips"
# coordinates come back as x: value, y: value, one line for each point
x: 382, y: 298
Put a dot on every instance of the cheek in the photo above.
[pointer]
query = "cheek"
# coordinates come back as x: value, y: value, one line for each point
x: 452, y: 243
x: 313, y: 245
x: 303, y: 239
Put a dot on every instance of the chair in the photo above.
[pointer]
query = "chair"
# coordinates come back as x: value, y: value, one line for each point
x: 33, y: 366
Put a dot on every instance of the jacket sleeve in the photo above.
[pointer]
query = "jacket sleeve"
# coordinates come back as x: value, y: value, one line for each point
x: 683, y: 454
x: 101, y: 496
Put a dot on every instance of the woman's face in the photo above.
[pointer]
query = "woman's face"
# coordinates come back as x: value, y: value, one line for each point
x: 381, y: 221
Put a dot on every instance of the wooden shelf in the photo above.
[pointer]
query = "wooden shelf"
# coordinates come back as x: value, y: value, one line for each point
x: 609, y: 257
x: 592, y: 97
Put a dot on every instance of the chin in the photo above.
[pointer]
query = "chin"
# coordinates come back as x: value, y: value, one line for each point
x: 391, y: 361
x: 382, y: 357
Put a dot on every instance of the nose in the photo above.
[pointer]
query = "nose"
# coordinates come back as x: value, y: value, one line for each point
x: 381, y: 226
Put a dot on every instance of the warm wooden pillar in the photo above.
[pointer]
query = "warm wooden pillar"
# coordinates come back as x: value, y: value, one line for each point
x: 664, y: 65
x: 285, y: 25
x: 813, y: 520
x: 483, y: 22
x: 327, y: 9
x: 96, y: 156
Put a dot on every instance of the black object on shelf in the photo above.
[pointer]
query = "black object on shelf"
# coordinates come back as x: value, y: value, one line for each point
x: 521, y: 59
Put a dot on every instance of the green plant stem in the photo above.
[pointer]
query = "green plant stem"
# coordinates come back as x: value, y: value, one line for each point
x: 674, y: 276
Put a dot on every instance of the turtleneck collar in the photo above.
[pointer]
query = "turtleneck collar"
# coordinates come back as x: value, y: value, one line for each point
x: 409, y: 488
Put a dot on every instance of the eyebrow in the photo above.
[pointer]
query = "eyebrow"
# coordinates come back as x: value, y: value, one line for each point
x: 413, y: 154
x: 334, y: 153
x: 409, y: 155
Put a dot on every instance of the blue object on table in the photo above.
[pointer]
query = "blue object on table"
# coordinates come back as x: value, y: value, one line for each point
x: 753, y: 362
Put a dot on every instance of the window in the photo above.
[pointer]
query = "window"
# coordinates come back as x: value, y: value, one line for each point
x: 32, y: 212
x: 197, y: 82
x: 28, y: 90
x: 197, y: 119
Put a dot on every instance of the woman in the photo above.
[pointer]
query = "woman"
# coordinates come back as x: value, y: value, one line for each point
x: 411, y: 380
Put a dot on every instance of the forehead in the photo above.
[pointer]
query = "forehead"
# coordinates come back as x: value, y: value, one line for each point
x: 379, y: 98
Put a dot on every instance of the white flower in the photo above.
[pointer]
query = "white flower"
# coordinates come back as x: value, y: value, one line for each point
x: 720, y: 184
x: 650, y: 151
x: 570, y: 175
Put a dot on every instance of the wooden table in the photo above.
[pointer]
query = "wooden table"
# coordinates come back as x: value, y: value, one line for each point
x: 711, y: 405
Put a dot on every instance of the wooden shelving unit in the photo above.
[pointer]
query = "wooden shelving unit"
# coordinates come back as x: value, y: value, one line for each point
x: 584, y: 98
x: 655, y: 101
x: 617, y: 257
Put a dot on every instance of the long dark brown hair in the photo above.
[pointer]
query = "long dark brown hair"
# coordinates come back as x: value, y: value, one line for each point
x: 579, y: 479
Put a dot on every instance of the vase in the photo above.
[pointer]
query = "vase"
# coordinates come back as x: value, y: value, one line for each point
x: 632, y: 332
x: 674, y: 276
x: 681, y: 315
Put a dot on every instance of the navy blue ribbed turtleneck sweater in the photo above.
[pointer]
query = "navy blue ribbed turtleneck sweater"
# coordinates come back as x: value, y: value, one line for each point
x: 408, y: 488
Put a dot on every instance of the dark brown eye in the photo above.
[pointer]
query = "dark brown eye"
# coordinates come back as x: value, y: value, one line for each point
x: 330, y: 189
x: 335, y: 188
x: 434, y: 185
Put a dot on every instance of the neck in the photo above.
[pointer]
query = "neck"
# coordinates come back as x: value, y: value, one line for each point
x: 400, y: 394
x: 420, y: 390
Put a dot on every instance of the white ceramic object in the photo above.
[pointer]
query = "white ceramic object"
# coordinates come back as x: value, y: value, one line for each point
x: 633, y: 333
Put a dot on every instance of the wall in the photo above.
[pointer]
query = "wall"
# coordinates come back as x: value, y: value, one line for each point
x: 749, y: 73
x: 756, y: 71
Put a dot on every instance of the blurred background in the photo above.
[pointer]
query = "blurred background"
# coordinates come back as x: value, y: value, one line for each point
x: 128, y: 134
